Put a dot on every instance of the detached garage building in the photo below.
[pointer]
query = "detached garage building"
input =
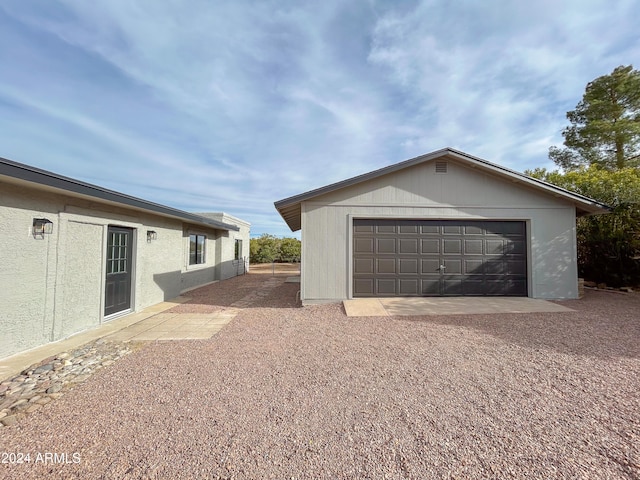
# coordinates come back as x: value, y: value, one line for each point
x: 445, y: 223
x: 76, y: 255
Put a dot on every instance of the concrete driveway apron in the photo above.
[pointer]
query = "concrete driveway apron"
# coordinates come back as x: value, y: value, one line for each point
x: 416, y: 306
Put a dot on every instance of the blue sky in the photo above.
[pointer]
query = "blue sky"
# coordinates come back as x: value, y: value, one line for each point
x: 229, y: 106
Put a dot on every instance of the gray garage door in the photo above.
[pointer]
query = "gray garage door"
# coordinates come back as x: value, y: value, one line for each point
x: 443, y: 257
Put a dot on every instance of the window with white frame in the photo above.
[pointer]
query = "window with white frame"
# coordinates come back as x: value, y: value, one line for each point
x: 238, y: 252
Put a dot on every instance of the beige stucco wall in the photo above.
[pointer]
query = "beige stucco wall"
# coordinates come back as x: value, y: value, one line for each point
x: 53, y: 287
x: 420, y: 193
x: 227, y: 265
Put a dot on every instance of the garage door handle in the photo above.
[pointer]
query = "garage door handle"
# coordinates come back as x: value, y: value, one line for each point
x: 442, y: 267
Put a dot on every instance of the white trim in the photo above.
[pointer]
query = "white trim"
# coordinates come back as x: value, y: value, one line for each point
x: 113, y: 316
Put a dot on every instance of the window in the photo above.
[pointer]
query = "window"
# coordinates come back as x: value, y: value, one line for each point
x: 238, y: 254
x: 196, y: 249
x: 117, y: 252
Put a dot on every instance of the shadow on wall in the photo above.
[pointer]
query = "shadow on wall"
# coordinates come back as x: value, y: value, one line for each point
x: 232, y: 268
x: 170, y: 284
x: 551, y: 269
x: 604, y: 325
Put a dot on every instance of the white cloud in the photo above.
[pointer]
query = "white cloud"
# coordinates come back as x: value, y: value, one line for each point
x: 232, y: 105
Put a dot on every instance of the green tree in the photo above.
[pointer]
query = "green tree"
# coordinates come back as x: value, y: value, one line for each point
x: 608, y: 245
x: 290, y: 249
x: 264, y: 249
x: 269, y: 248
x: 605, y: 125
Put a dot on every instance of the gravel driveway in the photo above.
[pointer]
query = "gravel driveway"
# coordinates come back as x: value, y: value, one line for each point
x: 287, y: 392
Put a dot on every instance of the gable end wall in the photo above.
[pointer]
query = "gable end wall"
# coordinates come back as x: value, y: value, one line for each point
x: 420, y: 193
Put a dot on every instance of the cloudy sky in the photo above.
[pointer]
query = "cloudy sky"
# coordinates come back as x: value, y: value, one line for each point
x: 209, y: 105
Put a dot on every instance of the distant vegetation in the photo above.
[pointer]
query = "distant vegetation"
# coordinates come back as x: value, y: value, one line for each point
x: 269, y: 248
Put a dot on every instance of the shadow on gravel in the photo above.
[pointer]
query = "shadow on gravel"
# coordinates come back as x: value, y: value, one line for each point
x: 604, y: 325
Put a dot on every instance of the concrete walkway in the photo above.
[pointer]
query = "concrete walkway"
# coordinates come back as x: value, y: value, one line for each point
x: 151, y: 324
x: 148, y: 325
x: 175, y: 326
x: 416, y: 306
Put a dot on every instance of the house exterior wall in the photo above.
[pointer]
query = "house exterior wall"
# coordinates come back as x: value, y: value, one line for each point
x: 420, y: 193
x: 228, y: 266
x: 53, y: 287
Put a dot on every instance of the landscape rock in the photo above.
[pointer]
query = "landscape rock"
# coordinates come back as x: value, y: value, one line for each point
x: 43, y: 382
x: 9, y: 420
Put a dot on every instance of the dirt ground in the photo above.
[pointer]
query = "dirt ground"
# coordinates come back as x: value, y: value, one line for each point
x: 290, y: 392
x: 275, y: 268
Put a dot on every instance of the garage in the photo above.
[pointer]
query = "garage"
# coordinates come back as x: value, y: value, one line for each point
x: 439, y: 258
x: 442, y: 224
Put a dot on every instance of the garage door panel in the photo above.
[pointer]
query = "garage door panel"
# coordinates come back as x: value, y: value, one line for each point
x: 452, y: 246
x: 429, y: 229
x: 474, y: 287
x: 452, y: 287
x: 430, y: 266
x: 515, y: 247
x: 430, y: 246
x: 386, y: 266
x: 408, y: 227
x: 480, y: 258
x: 408, y: 245
x: 386, y: 287
x: 494, y: 247
x: 431, y: 287
x: 362, y: 228
x: 363, y: 265
x: 517, y: 287
x: 386, y: 228
x: 386, y: 246
x: 473, y: 247
x: 516, y: 268
x: 475, y: 229
x: 451, y: 229
x: 363, y: 245
x: 409, y: 286
x: 408, y: 266
x: 363, y: 287
x: 494, y: 267
x: 473, y: 266
x: 452, y: 266
x: 495, y: 287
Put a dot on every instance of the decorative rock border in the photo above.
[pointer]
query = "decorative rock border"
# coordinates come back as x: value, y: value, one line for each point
x: 51, y: 378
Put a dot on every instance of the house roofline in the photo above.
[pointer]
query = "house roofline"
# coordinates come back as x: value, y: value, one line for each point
x: 77, y: 188
x: 289, y: 208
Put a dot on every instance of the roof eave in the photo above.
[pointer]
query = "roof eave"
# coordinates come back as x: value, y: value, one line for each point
x: 44, y: 179
x: 292, y: 204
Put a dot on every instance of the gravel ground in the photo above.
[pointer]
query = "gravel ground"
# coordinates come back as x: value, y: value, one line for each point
x: 288, y: 392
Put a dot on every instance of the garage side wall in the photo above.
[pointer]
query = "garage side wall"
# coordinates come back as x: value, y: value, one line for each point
x: 420, y: 193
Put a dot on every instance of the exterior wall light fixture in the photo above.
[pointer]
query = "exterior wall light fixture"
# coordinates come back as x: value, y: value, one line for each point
x: 152, y: 235
x: 42, y: 227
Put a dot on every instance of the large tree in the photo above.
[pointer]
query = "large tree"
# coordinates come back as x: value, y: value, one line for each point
x: 605, y: 126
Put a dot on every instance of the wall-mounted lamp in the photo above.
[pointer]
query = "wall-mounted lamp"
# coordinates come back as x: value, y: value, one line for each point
x: 42, y: 227
x: 152, y: 235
